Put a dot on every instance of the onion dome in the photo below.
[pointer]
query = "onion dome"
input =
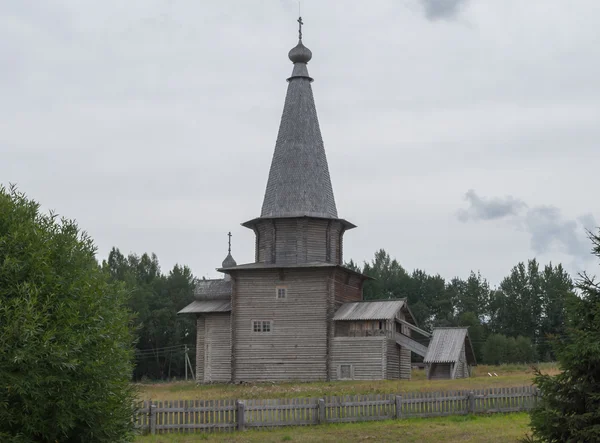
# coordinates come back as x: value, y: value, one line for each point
x: 229, y: 262
x: 300, y: 53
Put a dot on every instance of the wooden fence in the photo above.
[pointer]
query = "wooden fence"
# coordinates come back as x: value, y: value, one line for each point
x: 228, y: 415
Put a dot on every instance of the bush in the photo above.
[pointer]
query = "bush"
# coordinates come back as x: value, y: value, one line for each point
x: 65, y: 337
x: 499, y: 349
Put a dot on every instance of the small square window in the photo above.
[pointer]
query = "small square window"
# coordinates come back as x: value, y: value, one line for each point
x: 281, y: 292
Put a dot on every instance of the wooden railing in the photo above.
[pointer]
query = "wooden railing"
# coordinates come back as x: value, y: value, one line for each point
x: 227, y: 415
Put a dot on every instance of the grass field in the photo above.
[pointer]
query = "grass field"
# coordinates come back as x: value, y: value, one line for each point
x: 503, y: 428
x: 508, y: 376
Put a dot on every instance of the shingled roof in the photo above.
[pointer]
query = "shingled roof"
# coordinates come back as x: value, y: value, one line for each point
x: 446, y: 344
x: 299, y: 182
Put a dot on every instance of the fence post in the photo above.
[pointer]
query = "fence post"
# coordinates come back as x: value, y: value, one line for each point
x: 471, y: 403
x: 321, y: 419
x: 152, y: 418
x: 398, y: 406
x: 241, y: 415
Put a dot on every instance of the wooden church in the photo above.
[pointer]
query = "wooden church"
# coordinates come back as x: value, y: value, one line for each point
x: 297, y: 313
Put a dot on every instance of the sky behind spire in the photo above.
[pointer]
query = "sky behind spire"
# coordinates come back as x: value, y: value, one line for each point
x: 457, y: 138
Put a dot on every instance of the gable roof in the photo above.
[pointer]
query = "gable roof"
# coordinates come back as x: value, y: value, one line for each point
x: 369, y: 310
x: 446, y: 344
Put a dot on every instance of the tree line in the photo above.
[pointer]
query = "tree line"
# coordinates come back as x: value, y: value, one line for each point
x: 155, y: 298
x: 513, y: 323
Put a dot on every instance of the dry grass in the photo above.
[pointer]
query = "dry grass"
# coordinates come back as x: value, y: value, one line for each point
x: 508, y: 376
x: 503, y: 428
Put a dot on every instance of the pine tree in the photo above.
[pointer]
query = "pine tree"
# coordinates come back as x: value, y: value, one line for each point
x: 569, y: 407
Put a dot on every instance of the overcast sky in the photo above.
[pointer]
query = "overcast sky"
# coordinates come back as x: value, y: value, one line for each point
x: 460, y: 135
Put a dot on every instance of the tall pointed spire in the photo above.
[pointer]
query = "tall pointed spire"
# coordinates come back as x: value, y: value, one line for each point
x: 299, y: 183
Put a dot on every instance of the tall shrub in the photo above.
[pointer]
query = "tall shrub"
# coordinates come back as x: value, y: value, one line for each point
x: 65, y: 336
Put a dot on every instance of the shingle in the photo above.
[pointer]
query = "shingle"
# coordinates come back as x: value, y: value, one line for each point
x: 212, y: 289
x: 299, y: 183
x: 372, y: 310
x: 446, y: 343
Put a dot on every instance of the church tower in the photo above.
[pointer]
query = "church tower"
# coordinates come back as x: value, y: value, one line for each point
x: 299, y: 222
x: 282, y: 305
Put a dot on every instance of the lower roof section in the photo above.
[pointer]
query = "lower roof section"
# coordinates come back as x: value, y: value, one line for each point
x: 345, y: 223
x: 206, y: 306
x: 369, y: 310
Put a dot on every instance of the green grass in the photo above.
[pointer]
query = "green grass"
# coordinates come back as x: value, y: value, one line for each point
x: 508, y: 376
x: 487, y: 429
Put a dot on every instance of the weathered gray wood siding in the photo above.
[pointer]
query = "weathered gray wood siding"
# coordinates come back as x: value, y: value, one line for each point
x: 405, y: 354
x: 367, y: 356
x: 440, y: 371
x: 393, y: 360
x: 462, y: 370
x: 199, y: 349
x: 348, y: 288
x: 298, y: 240
x: 296, y: 347
x: 217, y: 348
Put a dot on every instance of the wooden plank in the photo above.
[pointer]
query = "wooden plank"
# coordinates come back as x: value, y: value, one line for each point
x: 414, y: 328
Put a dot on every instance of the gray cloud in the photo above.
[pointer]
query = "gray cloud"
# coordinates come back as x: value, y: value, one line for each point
x: 442, y: 9
x: 549, y: 230
x: 489, y: 209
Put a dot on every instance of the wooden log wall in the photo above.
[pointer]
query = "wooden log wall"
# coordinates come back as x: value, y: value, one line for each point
x: 200, y: 349
x: 405, y: 354
x: 348, y: 288
x: 393, y: 359
x: 158, y: 417
x: 366, y: 355
x: 298, y: 240
x: 296, y: 347
x: 217, y: 348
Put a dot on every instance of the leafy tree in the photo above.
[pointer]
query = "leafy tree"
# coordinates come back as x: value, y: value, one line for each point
x: 477, y: 332
x: 65, y: 336
x: 523, y: 351
x: 156, y: 298
x: 494, y: 349
x: 569, y: 406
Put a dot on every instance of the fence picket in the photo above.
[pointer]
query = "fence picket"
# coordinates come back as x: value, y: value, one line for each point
x: 222, y: 415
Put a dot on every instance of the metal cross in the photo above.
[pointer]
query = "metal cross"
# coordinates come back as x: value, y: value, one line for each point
x: 229, y: 235
x: 300, y: 23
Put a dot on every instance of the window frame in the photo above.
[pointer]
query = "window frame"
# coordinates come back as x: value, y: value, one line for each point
x: 261, y: 326
x: 278, y: 288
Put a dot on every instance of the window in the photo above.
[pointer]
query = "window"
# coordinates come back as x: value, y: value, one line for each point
x: 345, y: 372
x: 281, y: 292
x: 262, y: 325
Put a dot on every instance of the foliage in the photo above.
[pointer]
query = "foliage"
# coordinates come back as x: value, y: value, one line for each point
x: 65, y: 335
x: 569, y: 408
x: 156, y: 298
x: 527, y: 309
x: 501, y: 349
